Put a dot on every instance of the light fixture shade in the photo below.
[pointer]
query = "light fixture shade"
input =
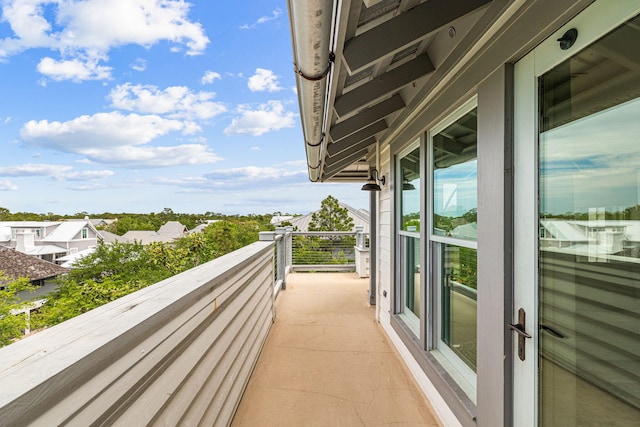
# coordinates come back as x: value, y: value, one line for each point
x: 372, y: 182
x: 371, y: 185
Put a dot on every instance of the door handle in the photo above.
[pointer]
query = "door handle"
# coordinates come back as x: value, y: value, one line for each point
x: 518, y: 328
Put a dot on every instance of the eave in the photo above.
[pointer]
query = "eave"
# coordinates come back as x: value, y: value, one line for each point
x: 371, y: 60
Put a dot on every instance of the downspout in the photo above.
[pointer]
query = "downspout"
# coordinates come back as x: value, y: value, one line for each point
x: 311, y: 29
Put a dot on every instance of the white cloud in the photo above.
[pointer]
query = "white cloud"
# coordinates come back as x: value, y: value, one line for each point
x: 34, y: 169
x: 152, y: 157
x: 268, y: 117
x: 209, y: 77
x: 139, y: 65
x: 74, y: 69
x: 117, y: 139
x: 6, y: 185
x: 263, y: 80
x: 177, y: 102
x: 57, y: 172
x: 263, y: 19
x: 274, y: 176
x: 85, y: 31
x: 85, y: 175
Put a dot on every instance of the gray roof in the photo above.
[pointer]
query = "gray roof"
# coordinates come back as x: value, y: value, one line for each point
x: 167, y: 233
x: 109, y: 237
x: 173, y: 228
x: 16, y: 264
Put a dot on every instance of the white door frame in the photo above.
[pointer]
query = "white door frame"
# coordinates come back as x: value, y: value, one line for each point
x: 594, y: 22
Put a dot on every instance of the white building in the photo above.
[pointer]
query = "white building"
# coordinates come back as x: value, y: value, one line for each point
x: 491, y: 128
x: 48, y: 240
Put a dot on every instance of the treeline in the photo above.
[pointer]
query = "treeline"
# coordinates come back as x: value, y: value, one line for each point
x: 117, y: 269
x: 134, y: 221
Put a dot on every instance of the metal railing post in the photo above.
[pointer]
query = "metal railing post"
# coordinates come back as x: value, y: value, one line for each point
x: 360, y: 236
x: 281, y: 244
x: 289, y: 237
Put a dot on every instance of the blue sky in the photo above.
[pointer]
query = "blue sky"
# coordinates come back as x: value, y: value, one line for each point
x: 141, y: 105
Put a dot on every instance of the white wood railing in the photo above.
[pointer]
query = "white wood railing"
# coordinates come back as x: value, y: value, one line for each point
x: 179, y: 352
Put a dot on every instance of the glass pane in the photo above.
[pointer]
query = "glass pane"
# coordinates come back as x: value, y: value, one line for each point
x: 590, y: 236
x: 455, y: 170
x: 411, y: 274
x: 459, y: 292
x: 410, y: 200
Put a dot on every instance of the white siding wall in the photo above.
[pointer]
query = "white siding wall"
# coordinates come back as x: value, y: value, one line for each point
x: 386, y: 282
x: 385, y: 272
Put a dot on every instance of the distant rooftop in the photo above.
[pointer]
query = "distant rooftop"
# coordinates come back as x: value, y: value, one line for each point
x: 16, y: 264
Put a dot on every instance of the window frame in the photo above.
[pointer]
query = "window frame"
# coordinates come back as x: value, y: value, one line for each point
x: 455, y: 366
x: 415, y: 324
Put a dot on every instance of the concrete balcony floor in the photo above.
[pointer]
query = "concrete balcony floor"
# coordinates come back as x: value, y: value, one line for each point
x: 327, y: 362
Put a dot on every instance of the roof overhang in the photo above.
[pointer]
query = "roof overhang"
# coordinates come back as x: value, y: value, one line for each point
x: 362, y: 64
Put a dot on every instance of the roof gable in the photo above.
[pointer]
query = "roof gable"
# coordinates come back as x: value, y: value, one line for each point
x: 68, y: 230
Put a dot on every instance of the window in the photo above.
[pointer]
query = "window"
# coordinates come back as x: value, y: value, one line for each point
x: 85, y: 231
x: 453, y: 243
x: 436, y: 264
x: 409, y: 238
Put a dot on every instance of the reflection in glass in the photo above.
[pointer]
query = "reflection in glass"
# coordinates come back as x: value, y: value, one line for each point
x: 459, y: 292
x: 411, y: 273
x: 455, y: 199
x: 590, y: 237
x: 410, y: 200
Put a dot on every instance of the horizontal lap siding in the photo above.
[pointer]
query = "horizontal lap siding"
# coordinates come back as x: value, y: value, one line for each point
x: 180, y: 354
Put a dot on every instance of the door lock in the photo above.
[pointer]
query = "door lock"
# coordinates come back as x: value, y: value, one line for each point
x: 518, y: 328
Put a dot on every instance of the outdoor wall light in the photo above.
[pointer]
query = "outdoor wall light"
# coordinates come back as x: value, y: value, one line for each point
x: 372, y: 182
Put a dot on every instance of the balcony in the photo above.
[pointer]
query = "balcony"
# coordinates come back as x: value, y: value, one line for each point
x: 182, y: 352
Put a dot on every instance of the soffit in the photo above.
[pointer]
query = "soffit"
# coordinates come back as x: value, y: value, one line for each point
x: 385, y: 53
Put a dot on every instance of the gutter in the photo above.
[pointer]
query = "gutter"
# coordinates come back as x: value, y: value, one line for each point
x: 311, y: 28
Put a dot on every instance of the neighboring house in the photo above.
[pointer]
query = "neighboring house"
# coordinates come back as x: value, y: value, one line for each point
x: 97, y: 222
x: 360, y: 218
x: 16, y: 264
x: 167, y: 233
x: 277, y: 220
x: 108, y: 237
x: 48, y: 240
x: 485, y: 118
x: 589, y: 238
x: 68, y: 261
x: 199, y: 228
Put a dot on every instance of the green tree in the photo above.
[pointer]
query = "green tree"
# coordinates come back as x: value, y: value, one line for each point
x: 112, y: 271
x: 326, y: 249
x: 331, y: 217
x: 11, y: 326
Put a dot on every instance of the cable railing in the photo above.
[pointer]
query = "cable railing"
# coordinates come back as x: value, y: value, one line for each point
x: 314, y: 251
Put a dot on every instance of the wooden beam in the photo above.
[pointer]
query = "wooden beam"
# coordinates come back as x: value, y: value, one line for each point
x: 366, y: 133
x: 403, y: 30
x: 366, y: 117
x: 332, y: 169
x: 383, y: 85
